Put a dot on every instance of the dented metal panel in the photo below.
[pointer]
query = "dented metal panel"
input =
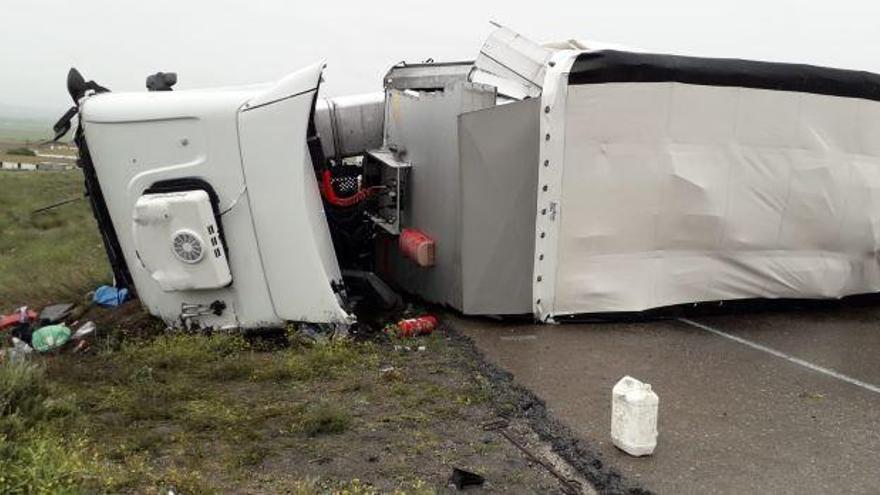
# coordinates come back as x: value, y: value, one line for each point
x: 512, y: 63
x: 428, y: 76
x: 499, y: 176
x: 423, y: 127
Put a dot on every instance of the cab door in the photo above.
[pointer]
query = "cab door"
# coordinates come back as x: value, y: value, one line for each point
x: 294, y: 240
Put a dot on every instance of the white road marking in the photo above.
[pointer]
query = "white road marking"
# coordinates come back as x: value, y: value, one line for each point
x: 787, y: 357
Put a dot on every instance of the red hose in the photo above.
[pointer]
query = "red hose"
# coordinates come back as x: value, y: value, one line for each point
x: 330, y: 194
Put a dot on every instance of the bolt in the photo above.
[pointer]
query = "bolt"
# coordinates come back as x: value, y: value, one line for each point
x: 546, y: 163
x: 547, y: 109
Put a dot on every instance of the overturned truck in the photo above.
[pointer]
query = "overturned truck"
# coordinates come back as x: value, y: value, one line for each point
x: 555, y: 180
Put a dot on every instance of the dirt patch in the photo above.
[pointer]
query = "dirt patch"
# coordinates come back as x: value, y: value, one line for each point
x: 513, y: 401
x: 413, y: 418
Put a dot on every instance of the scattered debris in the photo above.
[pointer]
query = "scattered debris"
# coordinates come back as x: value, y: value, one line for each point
x: 83, y: 331
x: 45, y: 331
x: 413, y: 327
x: 20, y: 316
x: 341, y: 331
x: 50, y: 337
x: 20, y: 346
x: 500, y: 425
x: 18, y: 352
x: 55, y: 313
x: 462, y: 478
x: 406, y: 348
x: 79, y: 347
x: 323, y: 332
x: 311, y: 332
x: 21, y: 322
x: 109, y: 296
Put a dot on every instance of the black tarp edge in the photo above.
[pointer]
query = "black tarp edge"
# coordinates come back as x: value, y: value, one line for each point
x: 613, y: 66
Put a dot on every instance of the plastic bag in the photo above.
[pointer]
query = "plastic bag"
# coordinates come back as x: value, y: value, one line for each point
x: 49, y: 338
x: 109, y: 296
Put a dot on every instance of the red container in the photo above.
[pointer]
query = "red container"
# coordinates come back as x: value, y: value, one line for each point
x: 22, y: 315
x: 417, y: 246
x: 413, y: 327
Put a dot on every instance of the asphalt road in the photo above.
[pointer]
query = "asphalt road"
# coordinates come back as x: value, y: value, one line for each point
x: 794, y: 407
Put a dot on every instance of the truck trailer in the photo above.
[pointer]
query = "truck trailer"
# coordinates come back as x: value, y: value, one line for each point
x: 555, y: 180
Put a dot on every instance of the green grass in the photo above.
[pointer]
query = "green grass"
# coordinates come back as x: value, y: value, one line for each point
x: 22, y: 390
x: 204, y: 413
x: 325, y: 418
x: 51, y: 256
x: 337, y: 360
x: 43, y: 258
x: 198, y: 400
x: 33, y: 458
x: 22, y: 151
x: 40, y: 463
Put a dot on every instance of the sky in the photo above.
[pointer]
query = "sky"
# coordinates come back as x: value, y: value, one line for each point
x: 227, y: 42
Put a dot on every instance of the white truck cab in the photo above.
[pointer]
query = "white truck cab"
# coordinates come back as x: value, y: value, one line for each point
x: 214, y: 202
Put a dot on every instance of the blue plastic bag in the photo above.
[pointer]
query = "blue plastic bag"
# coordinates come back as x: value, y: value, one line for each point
x: 109, y: 296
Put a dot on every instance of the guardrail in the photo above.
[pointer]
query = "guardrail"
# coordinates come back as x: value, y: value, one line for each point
x: 47, y: 166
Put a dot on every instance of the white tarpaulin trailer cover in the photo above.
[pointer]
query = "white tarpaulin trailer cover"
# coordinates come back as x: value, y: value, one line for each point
x: 667, y: 180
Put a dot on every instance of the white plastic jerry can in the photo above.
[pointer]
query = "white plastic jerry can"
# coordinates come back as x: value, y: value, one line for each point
x: 634, y: 417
